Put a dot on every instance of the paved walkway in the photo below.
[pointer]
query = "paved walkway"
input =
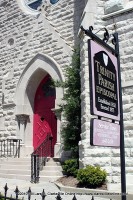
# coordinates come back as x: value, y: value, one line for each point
x: 50, y: 189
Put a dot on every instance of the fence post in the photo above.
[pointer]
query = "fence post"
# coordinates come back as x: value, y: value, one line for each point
x: 18, y: 148
x: 29, y: 193
x: 74, y: 198
x: 16, y: 192
x: 5, y: 188
x: 58, y: 197
x: 35, y: 168
x: 43, y: 194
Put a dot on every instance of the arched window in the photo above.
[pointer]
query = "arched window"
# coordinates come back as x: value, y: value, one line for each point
x: 33, y: 4
x: 53, y: 1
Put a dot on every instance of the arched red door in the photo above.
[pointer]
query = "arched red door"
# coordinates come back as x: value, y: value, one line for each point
x: 44, y: 119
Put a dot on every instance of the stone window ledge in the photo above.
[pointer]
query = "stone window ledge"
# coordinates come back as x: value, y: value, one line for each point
x: 127, y: 9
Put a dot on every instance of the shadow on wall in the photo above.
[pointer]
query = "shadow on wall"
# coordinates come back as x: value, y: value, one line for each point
x: 79, y: 7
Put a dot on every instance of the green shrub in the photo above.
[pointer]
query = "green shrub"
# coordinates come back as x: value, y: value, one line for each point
x: 91, y: 176
x: 70, y: 167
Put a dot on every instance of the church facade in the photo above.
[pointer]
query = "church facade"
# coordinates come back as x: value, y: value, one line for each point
x: 37, y: 41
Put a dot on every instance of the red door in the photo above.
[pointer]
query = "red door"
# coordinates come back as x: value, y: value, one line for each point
x: 44, y: 119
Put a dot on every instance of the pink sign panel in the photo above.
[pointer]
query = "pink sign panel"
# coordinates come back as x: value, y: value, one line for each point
x: 104, y: 84
x: 104, y: 133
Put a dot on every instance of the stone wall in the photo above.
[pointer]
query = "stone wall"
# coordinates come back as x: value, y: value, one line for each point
x: 120, y: 21
x: 53, y: 33
x: 22, y: 37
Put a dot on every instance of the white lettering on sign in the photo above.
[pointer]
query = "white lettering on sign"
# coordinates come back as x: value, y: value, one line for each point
x: 106, y: 133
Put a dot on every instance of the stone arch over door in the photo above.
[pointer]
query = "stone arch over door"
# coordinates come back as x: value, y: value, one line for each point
x: 40, y: 66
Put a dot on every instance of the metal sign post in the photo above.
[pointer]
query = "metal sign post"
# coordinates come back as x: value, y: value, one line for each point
x: 122, y: 152
x: 118, y: 113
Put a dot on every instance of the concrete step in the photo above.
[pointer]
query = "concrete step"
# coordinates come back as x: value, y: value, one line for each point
x: 28, y: 177
x: 16, y: 176
x: 49, y: 178
x: 52, y: 163
x: 15, y: 159
x: 50, y: 173
x: 14, y: 162
x: 20, y: 167
x: 15, y: 171
x: 52, y: 168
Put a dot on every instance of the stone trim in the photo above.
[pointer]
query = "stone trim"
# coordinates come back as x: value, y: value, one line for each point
x: 42, y: 62
x: 117, y: 13
x: 26, y: 9
x: 10, y: 105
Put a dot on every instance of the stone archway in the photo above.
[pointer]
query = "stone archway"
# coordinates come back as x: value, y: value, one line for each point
x: 35, y: 71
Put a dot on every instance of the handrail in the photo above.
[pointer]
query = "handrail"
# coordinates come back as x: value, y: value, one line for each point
x: 10, y: 148
x: 39, y: 156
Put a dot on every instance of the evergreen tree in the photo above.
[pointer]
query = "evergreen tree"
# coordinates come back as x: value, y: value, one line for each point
x: 72, y: 107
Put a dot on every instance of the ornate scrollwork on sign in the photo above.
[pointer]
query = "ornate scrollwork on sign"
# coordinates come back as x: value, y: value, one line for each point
x: 106, y: 35
x: 114, y: 40
x: 93, y: 36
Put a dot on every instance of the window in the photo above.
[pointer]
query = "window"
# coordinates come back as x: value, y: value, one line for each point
x: 34, y: 4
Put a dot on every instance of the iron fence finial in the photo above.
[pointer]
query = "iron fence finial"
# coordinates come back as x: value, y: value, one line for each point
x: 58, y: 197
x: 29, y: 193
x: 16, y: 192
x: 5, y: 188
x: 92, y: 198
x: 43, y: 194
x: 74, y: 198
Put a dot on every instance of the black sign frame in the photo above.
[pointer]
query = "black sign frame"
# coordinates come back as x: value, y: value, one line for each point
x: 110, y: 106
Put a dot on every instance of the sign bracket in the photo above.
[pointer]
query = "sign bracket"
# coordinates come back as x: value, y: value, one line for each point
x: 89, y: 33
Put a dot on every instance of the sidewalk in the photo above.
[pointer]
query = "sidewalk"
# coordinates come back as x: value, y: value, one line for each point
x: 50, y: 189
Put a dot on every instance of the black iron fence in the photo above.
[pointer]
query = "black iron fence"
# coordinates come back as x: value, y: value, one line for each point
x: 39, y: 157
x: 10, y: 148
x: 18, y: 195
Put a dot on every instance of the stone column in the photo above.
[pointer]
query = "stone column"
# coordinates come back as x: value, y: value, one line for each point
x: 57, y: 147
x: 22, y: 121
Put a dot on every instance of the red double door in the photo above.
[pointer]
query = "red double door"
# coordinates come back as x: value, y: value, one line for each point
x: 45, y: 121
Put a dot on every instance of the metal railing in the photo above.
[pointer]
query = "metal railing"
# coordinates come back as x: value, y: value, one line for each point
x: 39, y: 156
x: 18, y: 195
x: 10, y: 148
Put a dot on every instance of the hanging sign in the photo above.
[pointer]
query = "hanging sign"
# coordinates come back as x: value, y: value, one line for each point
x: 104, y: 84
x: 103, y: 133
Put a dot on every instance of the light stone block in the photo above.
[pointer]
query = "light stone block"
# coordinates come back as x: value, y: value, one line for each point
x: 113, y: 5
